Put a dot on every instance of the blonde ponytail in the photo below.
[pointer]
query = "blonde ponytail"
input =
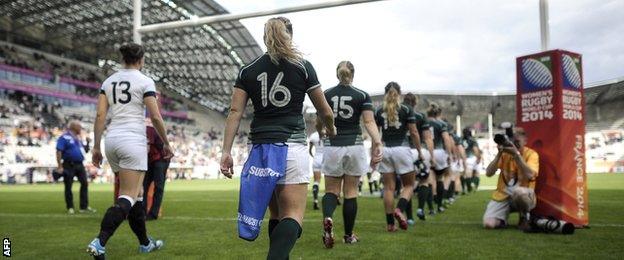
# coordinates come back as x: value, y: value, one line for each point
x: 391, y: 102
x: 278, y: 40
x: 344, y: 72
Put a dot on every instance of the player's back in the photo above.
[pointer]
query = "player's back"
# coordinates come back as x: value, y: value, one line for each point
x: 125, y: 90
x: 348, y: 103
x: 277, y: 92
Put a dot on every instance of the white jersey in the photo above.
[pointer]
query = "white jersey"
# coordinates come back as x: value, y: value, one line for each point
x: 316, y: 141
x: 125, y: 91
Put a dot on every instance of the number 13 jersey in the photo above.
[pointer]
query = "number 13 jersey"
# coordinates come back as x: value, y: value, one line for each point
x: 125, y: 90
x: 277, y: 92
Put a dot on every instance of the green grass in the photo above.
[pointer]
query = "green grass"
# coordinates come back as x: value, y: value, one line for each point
x: 198, y: 223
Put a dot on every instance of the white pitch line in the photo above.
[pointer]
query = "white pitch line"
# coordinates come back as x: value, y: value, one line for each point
x: 367, y: 221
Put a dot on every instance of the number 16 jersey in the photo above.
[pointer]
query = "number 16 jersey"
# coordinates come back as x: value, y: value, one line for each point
x: 125, y: 90
x: 277, y: 92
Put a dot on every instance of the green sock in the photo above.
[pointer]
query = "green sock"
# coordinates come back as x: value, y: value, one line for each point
x: 422, y: 196
x: 430, y: 197
x: 330, y: 201
x: 476, y: 182
x: 349, y: 212
x: 283, y: 239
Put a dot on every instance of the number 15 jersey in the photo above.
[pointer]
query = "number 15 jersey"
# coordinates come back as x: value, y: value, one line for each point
x: 347, y: 103
x: 125, y: 90
x: 277, y: 92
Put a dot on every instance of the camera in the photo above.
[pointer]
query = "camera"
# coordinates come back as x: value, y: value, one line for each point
x: 551, y: 225
x: 507, y: 138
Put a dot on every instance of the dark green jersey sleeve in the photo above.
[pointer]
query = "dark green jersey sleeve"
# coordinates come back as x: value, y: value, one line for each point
x: 311, y: 80
x: 367, y: 104
x: 239, y: 81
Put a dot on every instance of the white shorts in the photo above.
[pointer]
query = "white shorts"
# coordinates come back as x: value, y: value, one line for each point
x: 471, y: 163
x: 340, y: 160
x: 457, y: 166
x: 127, y: 152
x: 317, y: 163
x: 441, y: 158
x: 297, y: 164
x: 397, y: 159
x: 425, y: 154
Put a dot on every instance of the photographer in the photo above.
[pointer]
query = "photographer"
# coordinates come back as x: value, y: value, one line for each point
x: 514, y: 192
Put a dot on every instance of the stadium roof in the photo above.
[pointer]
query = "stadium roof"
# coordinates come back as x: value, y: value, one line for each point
x: 200, y: 63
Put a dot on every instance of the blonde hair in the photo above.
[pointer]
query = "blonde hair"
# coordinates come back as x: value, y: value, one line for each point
x: 278, y: 40
x: 344, y: 72
x: 391, y: 102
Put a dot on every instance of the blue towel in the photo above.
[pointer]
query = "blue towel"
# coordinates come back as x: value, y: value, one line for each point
x: 264, y: 167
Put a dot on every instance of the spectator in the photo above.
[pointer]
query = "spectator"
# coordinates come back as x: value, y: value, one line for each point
x: 70, y: 156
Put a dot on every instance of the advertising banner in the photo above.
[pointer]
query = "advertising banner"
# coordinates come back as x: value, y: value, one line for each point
x: 550, y: 107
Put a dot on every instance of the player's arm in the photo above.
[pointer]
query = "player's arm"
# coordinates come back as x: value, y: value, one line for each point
x: 428, y: 136
x: 310, y: 146
x: 158, y: 123
x: 477, y: 153
x: 368, y: 118
x: 325, y: 116
x: 98, y: 128
x: 448, y: 143
x: 239, y: 101
x: 461, y: 153
x: 413, y: 130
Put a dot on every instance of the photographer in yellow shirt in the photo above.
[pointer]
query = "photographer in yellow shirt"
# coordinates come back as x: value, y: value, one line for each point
x: 514, y: 192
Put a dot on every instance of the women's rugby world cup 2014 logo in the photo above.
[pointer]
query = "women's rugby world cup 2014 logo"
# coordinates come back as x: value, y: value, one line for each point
x: 571, y: 72
x: 536, y: 75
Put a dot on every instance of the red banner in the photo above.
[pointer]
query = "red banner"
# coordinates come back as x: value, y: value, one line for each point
x: 550, y: 107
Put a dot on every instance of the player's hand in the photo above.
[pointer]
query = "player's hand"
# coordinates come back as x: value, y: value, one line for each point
x: 59, y: 170
x: 168, y: 152
x: 227, y: 165
x: 376, y: 155
x: 96, y: 157
x: 330, y: 132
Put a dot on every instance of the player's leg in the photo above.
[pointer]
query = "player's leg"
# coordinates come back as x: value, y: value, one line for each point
x: 291, y: 200
x: 291, y: 197
x: 129, y: 183
x: 406, y: 195
x: 273, y: 213
x: 136, y: 216
x: 333, y: 186
x: 147, y: 181
x: 388, y: 198
x: 349, y: 208
x: 315, y: 187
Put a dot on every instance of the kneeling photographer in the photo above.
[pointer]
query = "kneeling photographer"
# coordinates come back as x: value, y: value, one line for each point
x: 514, y: 192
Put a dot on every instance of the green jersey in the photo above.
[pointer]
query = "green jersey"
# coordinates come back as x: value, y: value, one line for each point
x: 277, y: 92
x: 438, y: 127
x: 348, y: 103
x: 456, y: 139
x: 393, y: 133
x: 422, y: 125
x: 469, y: 144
